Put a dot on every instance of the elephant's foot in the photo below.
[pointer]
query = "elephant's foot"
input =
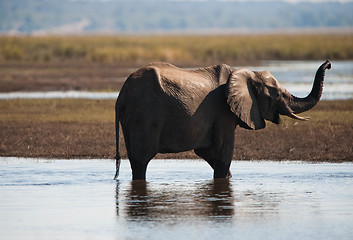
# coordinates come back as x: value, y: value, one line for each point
x: 222, y: 175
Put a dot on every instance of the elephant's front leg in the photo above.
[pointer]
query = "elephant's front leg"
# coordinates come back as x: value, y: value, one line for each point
x: 219, y: 164
x: 221, y: 169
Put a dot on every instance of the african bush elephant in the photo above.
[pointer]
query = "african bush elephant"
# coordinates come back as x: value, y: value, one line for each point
x: 165, y: 109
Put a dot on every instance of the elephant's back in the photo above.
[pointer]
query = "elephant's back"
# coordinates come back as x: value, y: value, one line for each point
x: 176, y: 81
x: 163, y: 82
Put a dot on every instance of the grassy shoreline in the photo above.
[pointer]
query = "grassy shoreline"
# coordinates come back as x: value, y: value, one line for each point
x: 183, y: 50
x: 78, y: 128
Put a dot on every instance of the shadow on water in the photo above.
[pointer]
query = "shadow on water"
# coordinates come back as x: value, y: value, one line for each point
x: 213, y: 200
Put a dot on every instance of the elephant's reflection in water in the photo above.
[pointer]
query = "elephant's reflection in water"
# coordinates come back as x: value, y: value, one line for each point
x: 214, y: 199
x: 149, y: 201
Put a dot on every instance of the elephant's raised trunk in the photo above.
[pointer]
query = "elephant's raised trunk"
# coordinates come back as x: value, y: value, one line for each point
x: 298, y: 105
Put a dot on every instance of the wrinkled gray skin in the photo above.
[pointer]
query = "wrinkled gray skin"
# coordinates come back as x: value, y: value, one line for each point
x: 165, y: 109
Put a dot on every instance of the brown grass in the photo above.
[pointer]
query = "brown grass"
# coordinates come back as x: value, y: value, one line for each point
x: 70, y: 128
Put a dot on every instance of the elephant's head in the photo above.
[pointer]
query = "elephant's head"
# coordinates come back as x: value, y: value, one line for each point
x: 257, y: 96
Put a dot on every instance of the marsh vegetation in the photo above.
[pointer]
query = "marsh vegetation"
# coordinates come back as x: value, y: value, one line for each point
x: 181, y: 50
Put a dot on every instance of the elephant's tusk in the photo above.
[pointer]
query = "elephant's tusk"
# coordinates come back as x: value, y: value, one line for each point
x: 294, y: 116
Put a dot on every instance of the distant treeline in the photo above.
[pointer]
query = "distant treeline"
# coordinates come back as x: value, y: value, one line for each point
x: 181, y: 50
x: 63, y: 16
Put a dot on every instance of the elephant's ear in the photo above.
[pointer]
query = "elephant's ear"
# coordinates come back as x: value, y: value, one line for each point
x: 241, y: 98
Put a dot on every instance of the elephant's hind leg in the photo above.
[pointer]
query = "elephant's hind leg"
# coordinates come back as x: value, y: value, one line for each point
x: 139, y: 162
x: 138, y: 170
x: 139, y: 158
x: 142, y: 147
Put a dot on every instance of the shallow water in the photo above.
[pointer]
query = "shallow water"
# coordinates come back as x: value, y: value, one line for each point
x: 78, y: 199
x: 296, y: 76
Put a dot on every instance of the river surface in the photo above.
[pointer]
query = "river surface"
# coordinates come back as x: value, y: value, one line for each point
x: 296, y: 76
x: 78, y: 199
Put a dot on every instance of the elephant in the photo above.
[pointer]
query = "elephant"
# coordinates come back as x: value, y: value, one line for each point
x: 166, y: 109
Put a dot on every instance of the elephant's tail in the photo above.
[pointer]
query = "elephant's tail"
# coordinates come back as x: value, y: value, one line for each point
x: 117, y: 156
